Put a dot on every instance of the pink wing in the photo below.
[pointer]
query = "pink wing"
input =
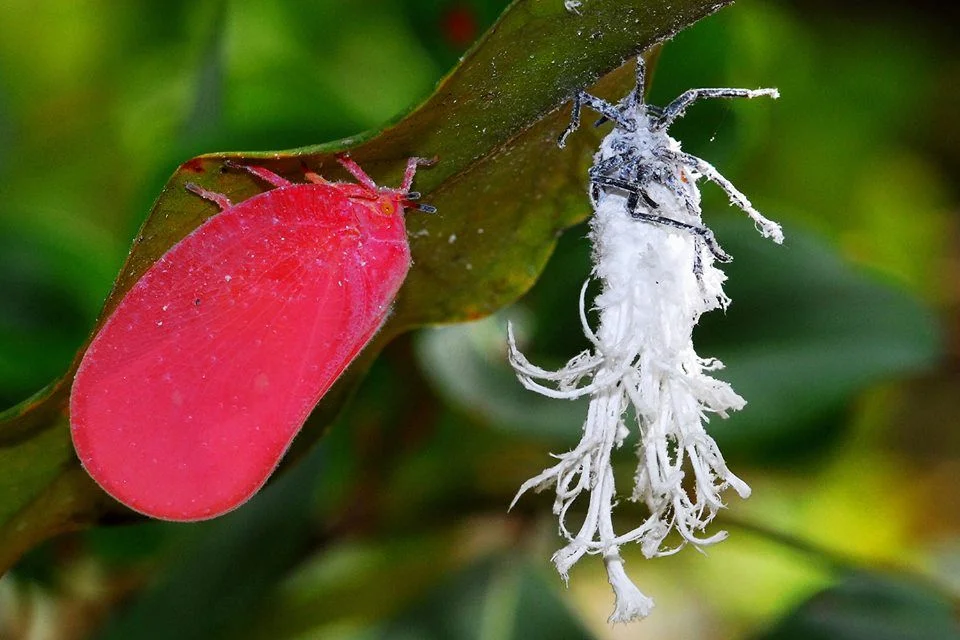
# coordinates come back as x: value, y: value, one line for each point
x: 196, y: 385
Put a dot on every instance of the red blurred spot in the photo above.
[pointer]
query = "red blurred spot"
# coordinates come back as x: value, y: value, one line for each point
x: 195, y: 165
x: 459, y: 25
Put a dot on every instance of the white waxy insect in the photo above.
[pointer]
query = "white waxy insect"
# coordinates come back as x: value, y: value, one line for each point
x: 655, y: 261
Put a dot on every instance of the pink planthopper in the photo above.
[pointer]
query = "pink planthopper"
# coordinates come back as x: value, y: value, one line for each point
x: 190, y: 394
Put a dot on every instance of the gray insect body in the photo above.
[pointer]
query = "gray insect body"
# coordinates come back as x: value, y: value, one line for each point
x: 639, y: 159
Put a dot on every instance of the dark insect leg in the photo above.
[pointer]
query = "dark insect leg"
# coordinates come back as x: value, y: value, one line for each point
x: 636, y: 97
x: 652, y: 110
x: 676, y: 108
x: 705, y: 234
x: 218, y: 199
x: 634, y: 192
x: 574, y: 122
x: 651, y: 203
x: 698, y: 265
x: 410, y: 200
x: 612, y: 166
x: 609, y: 111
x: 641, y: 80
x: 594, y: 193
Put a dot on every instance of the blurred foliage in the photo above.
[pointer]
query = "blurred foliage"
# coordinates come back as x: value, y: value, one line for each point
x: 870, y: 607
x: 395, y: 525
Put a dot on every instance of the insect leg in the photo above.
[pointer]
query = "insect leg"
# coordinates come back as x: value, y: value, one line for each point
x: 767, y: 228
x: 612, y: 164
x: 218, y: 199
x: 347, y: 163
x: 410, y: 197
x: 594, y: 193
x: 676, y: 108
x: 315, y: 178
x: 609, y: 111
x: 636, y: 96
x: 634, y: 191
x: 698, y: 266
x: 265, y: 175
x: 641, y: 80
x: 410, y: 200
x: 654, y: 111
x: 412, y: 164
x: 623, y: 104
x: 704, y: 234
x: 574, y: 121
x: 425, y: 208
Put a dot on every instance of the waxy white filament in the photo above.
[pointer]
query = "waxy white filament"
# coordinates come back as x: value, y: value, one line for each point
x: 642, y: 371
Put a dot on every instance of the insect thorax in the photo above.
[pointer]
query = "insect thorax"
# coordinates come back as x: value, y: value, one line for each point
x: 637, y: 162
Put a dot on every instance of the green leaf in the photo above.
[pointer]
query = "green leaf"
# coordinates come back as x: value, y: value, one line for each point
x: 501, y: 597
x: 806, y: 332
x: 871, y: 607
x: 467, y: 365
x: 503, y: 188
x: 237, y: 560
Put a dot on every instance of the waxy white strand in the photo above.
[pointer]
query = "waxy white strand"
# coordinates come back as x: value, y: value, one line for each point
x: 655, y: 262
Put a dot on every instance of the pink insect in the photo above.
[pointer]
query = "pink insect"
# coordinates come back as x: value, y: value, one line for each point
x: 192, y: 391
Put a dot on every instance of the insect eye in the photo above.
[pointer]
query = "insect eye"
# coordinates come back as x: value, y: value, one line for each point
x: 387, y: 207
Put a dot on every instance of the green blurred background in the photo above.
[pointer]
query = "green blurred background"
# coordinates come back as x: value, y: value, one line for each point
x: 844, y: 341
